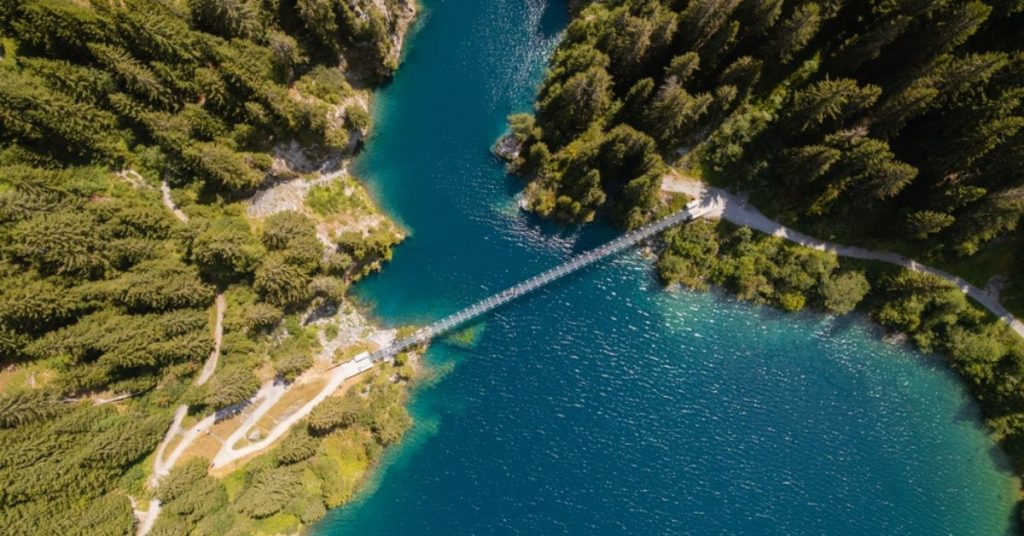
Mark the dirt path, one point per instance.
(218, 334)
(159, 467)
(145, 518)
(165, 196)
(229, 454)
(727, 206)
(162, 465)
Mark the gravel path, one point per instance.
(165, 196)
(148, 518)
(218, 334)
(724, 205)
(272, 392)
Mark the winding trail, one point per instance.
(159, 466)
(218, 334)
(228, 454)
(165, 196)
(162, 465)
(146, 518)
(727, 206)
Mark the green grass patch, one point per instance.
(332, 199)
(1012, 297)
(342, 465)
(349, 352)
(279, 523)
(311, 483)
(406, 331)
(8, 48)
(997, 257)
(234, 484)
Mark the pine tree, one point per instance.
(793, 34)
(743, 74)
(703, 20)
(230, 18)
(583, 99)
(26, 407)
(804, 165)
(320, 20)
(827, 102)
(866, 46)
(281, 283)
(673, 114)
(136, 77)
(923, 223)
(633, 38)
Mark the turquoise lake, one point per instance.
(603, 404)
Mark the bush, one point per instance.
(841, 294)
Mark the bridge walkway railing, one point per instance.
(497, 300)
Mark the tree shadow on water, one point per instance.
(554, 18)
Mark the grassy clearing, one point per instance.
(338, 197)
(24, 376)
(205, 446)
(351, 351)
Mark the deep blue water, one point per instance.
(604, 404)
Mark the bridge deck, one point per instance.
(497, 300)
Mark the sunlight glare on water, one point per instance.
(603, 404)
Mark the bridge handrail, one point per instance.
(497, 300)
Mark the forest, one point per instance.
(318, 466)
(905, 113)
(890, 124)
(104, 293)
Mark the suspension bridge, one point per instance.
(688, 214)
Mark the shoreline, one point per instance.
(730, 207)
(351, 328)
(296, 171)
